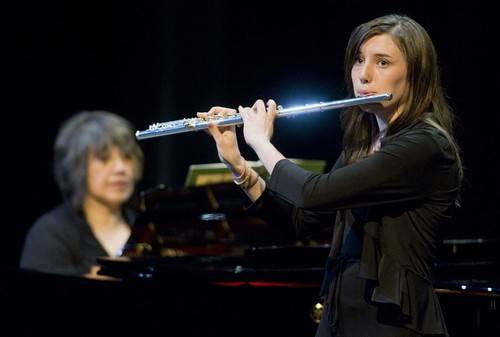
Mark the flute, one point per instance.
(196, 123)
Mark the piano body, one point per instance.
(233, 252)
(200, 265)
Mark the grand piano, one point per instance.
(202, 235)
(199, 264)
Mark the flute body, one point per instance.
(196, 124)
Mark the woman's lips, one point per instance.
(365, 93)
(119, 184)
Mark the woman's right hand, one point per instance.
(225, 139)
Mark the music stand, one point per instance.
(217, 173)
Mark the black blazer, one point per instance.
(409, 187)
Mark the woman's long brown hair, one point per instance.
(425, 99)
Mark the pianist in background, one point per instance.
(97, 163)
(395, 183)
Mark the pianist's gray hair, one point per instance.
(86, 132)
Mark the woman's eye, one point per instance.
(101, 155)
(383, 63)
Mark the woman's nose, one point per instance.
(119, 163)
(365, 73)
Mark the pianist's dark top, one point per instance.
(394, 201)
(61, 242)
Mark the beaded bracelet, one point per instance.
(243, 183)
(238, 178)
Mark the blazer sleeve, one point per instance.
(406, 168)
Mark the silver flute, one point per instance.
(196, 123)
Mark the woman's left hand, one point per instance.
(258, 122)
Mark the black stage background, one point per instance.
(160, 61)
